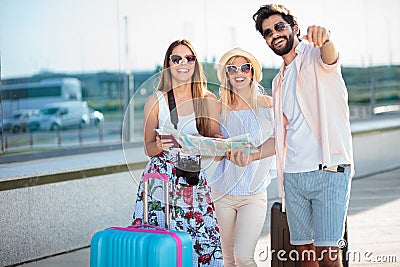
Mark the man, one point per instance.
(313, 136)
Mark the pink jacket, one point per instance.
(322, 96)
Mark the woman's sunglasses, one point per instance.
(176, 59)
(280, 26)
(244, 68)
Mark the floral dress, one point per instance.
(191, 209)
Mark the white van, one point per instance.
(68, 114)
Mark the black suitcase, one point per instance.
(345, 257)
(280, 241)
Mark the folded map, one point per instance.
(208, 146)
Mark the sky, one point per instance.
(122, 35)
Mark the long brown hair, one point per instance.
(198, 87)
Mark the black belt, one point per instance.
(335, 168)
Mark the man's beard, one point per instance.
(286, 49)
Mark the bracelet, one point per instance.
(327, 40)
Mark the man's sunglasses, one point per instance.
(176, 59)
(244, 68)
(280, 26)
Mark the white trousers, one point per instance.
(240, 219)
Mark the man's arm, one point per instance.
(320, 36)
(242, 159)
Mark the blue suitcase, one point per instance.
(142, 245)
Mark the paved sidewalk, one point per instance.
(373, 222)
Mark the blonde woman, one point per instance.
(240, 180)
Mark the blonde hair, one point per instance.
(228, 97)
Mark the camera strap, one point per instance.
(188, 173)
(172, 109)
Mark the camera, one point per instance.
(189, 169)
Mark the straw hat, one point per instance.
(239, 52)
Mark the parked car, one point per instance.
(61, 115)
(96, 117)
(5, 124)
(19, 121)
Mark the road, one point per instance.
(108, 133)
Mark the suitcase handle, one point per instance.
(146, 178)
(149, 226)
(133, 227)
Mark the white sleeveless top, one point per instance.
(186, 124)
